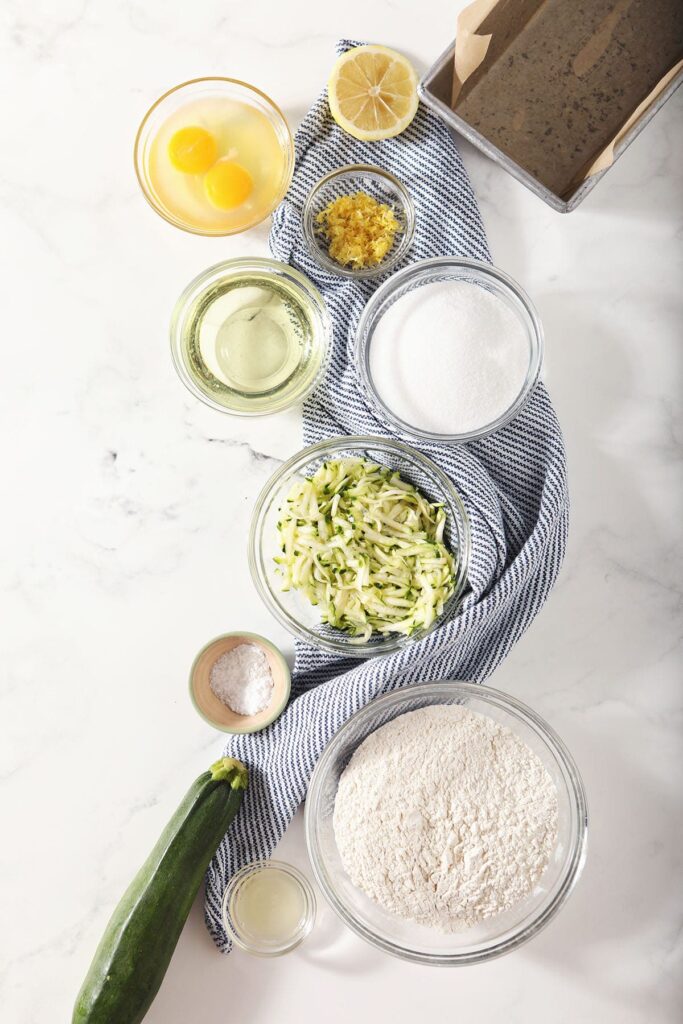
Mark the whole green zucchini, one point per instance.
(139, 940)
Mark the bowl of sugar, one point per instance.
(239, 682)
(448, 350)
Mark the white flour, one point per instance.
(445, 817)
(449, 357)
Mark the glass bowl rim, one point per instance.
(137, 162)
(418, 269)
(277, 268)
(394, 642)
(309, 895)
(405, 242)
(575, 785)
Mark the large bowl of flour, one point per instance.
(446, 823)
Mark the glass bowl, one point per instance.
(489, 938)
(447, 268)
(380, 185)
(198, 89)
(254, 402)
(291, 608)
(245, 933)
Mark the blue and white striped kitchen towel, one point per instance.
(514, 486)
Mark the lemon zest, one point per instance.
(359, 230)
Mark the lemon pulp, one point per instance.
(372, 92)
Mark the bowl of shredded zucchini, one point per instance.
(360, 546)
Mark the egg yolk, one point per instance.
(192, 150)
(227, 185)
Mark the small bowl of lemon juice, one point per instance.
(268, 908)
(250, 336)
(214, 156)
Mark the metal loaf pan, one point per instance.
(435, 90)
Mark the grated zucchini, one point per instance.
(366, 548)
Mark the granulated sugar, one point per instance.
(449, 357)
(445, 817)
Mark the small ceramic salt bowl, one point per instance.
(213, 710)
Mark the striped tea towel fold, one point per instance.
(513, 484)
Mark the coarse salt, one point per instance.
(449, 357)
(241, 679)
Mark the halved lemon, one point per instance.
(372, 92)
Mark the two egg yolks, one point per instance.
(193, 150)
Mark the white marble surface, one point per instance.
(125, 504)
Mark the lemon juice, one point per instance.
(218, 164)
(270, 905)
(268, 908)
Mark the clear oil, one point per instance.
(248, 341)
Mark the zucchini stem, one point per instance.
(229, 769)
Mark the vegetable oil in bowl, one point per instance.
(247, 337)
(250, 337)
